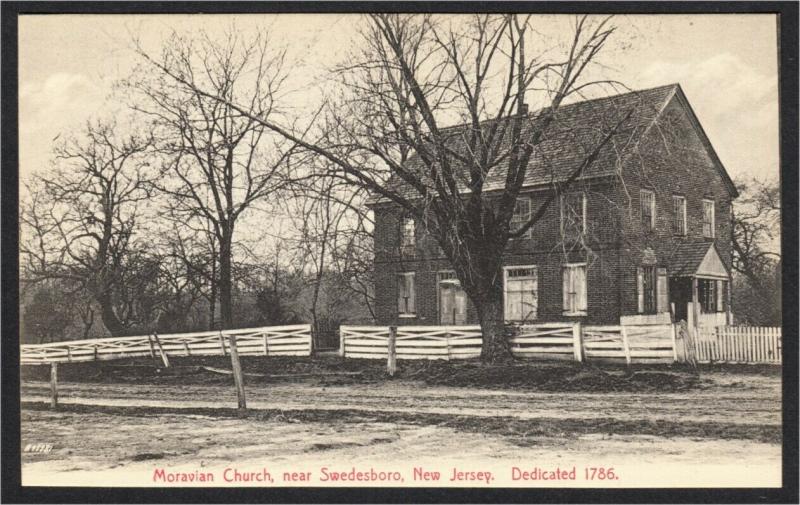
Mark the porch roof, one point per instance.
(696, 258)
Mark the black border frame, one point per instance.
(12, 492)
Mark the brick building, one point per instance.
(643, 231)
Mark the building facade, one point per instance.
(644, 235)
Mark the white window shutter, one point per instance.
(460, 306)
(661, 290)
(640, 288)
(580, 287)
(411, 290)
(720, 296)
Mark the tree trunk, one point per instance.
(495, 348)
(225, 282)
(109, 317)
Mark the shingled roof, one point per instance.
(686, 259)
(575, 132)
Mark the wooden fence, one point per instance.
(650, 343)
(413, 342)
(738, 344)
(292, 340)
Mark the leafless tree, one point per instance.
(218, 161)
(415, 73)
(81, 221)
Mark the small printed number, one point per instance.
(600, 473)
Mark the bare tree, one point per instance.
(81, 223)
(417, 73)
(217, 163)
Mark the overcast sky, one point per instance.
(726, 64)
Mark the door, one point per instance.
(452, 302)
(680, 294)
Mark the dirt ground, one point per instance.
(112, 427)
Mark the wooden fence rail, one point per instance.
(739, 344)
(645, 343)
(294, 340)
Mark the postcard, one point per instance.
(439, 250)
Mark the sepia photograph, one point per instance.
(400, 250)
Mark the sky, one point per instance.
(725, 63)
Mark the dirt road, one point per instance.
(121, 433)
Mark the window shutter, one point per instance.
(661, 289)
(565, 288)
(640, 288)
(580, 287)
(460, 306)
(411, 293)
(401, 286)
(720, 296)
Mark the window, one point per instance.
(652, 289)
(574, 289)
(522, 214)
(678, 215)
(452, 300)
(708, 218)
(407, 236)
(712, 295)
(520, 293)
(406, 306)
(573, 213)
(648, 204)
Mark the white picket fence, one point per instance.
(650, 343)
(294, 340)
(738, 344)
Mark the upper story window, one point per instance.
(678, 215)
(407, 236)
(648, 205)
(708, 218)
(406, 295)
(522, 214)
(573, 213)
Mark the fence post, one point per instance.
(150, 341)
(53, 385)
(341, 343)
(69, 354)
(674, 343)
(391, 364)
(95, 352)
(238, 378)
(625, 347)
(577, 340)
(164, 356)
(222, 343)
(447, 342)
(186, 348)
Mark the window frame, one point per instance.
(439, 279)
(405, 314)
(408, 249)
(679, 230)
(713, 224)
(529, 231)
(583, 210)
(535, 277)
(564, 268)
(652, 194)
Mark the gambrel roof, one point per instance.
(575, 132)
